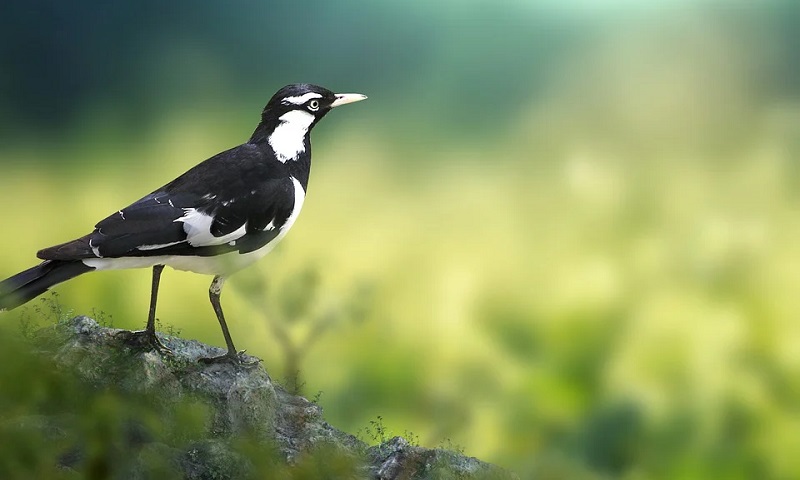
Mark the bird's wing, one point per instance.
(207, 211)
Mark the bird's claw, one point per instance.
(146, 340)
(236, 358)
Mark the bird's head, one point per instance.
(296, 108)
(309, 99)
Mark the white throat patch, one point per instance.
(287, 140)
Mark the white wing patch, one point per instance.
(95, 250)
(300, 99)
(288, 138)
(156, 247)
(197, 226)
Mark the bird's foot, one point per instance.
(236, 358)
(145, 340)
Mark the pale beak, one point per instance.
(345, 98)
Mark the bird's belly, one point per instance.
(224, 264)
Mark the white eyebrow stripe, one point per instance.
(301, 99)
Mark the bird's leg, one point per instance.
(147, 338)
(214, 292)
(150, 329)
(151, 316)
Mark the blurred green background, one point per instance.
(562, 236)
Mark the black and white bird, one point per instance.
(217, 218)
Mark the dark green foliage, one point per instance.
(55, 425)
(612, 439)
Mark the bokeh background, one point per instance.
(563, 236)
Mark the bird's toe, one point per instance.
(238, 359)
(144, 340)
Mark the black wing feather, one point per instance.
(235, 187)
(149, 221)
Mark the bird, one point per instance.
(217, 218)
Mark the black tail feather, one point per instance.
(25, 286)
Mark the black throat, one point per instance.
(300, 168)
(264, 129)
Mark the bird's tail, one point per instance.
(25, 286)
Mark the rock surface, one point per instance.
(242, 403)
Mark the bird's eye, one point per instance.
(313, 105)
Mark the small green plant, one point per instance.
(49, 307)
(46, 310)
(379, 430)
(379, 434)
(412, 438)
(375, 431)
(169, 330)
(448, 444)
(102, 318)
(27, 326)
